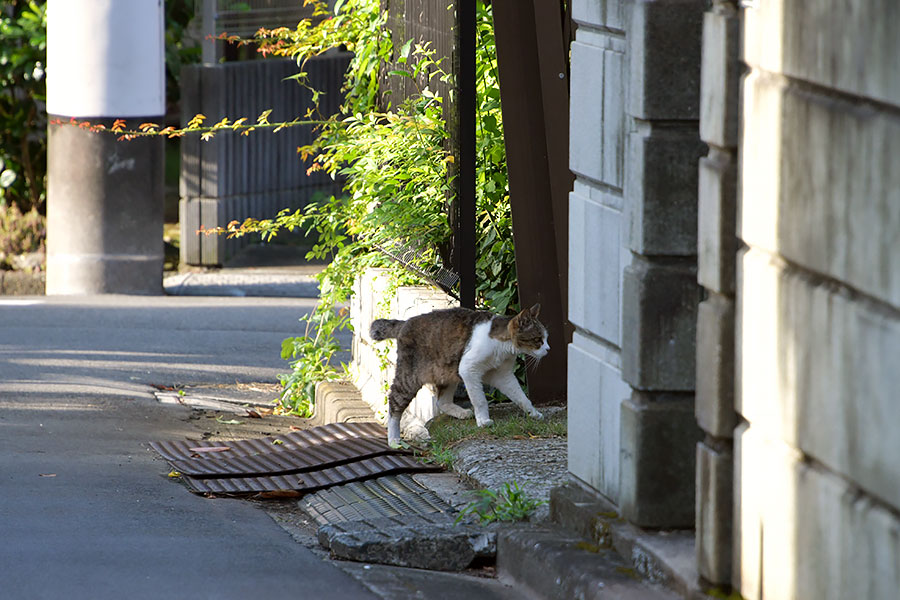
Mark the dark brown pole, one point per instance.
(534, 95)
(466, 186)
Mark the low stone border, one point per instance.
(20, 283)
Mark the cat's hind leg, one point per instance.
(448, 407)
(402, 392)
(504, 380)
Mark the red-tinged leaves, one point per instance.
(118, 125)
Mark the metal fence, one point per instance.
(232, 176)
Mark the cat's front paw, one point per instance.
(536, 414)
(484, 422)
(396, 444)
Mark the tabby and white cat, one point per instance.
(445, 346)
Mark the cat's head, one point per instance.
(528, 334)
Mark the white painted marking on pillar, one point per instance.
(117, 164)
(105, 58)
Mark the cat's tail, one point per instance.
(383, 329)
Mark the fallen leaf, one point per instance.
(279, 494)
(46, 474)
(210, 449)
(164, 388)
(174, 474)
(295, 428)
(277, 442)
(253, 414)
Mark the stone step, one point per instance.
(553, 563)
(664, 558)
(419, 541)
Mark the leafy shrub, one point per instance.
(23, 92)
(397, 182)
(20, 233)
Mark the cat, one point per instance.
(444, 347)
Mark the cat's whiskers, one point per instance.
(532, 361)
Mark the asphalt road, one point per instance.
(86, 510)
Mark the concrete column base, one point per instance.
(656, 475)
(104, 211)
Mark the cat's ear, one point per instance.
(534, 311)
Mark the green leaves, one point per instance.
(509, 503)
(397, 185)
(23, 122)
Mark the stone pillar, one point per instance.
(659, 292)
(105, 197)
(717, 245)
(818, 302)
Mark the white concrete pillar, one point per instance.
(105, 61)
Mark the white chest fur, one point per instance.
(484, 353)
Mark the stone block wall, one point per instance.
(598, 241)
(660, 291)
(633, 290)
(373, 299)
(716, 247)
(818, 303)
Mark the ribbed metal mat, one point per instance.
(275, 462)
(298, 461)
(366, 468)
(293, 440)
(384, 497)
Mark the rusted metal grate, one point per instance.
(294, 440)
(298, 461)
(283, 462)
(313, 480)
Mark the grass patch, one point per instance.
(509, 424)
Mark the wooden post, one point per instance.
(534, 94)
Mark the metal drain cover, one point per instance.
(384, 497)
(311, 480)
(296, 462)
